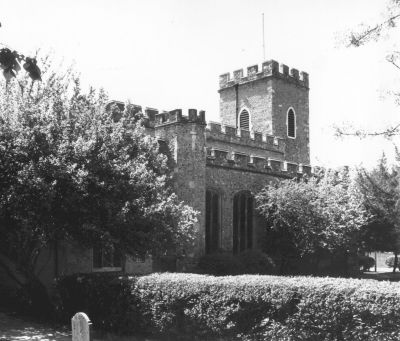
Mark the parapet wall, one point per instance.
(175, 116)
(254, 163)
(154, 117)
(268, 69)
(229, 134)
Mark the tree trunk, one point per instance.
(396, 261)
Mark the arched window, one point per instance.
(213, 221)
(291, 123)
(244, 120)
(243, 204)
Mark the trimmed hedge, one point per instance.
(251, 307)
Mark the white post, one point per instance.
(80, 327)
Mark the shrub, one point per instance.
(219, 263)
(366, 262)
(249, 307)
(105, 297)
(390, 262)
(256, 262)
(223, 263)
(270, 307)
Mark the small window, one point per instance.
(291, 123)
(106, 258)
(244, 120)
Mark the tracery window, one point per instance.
(243, 211)
(213, 221)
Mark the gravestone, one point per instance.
(80, 327)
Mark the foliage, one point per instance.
(256, 262)
(10, 64)
(364, 34)
(366, 262)
(105, 297)
(68, 171)
(380, 192)
(221, 263)
(390, 262)
(319, 214)
(224, 263)
(372, 32)
(250, 307)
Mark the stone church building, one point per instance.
(263, 135)
(218, 167)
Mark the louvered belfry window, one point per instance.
(244, 120)
(291, 123)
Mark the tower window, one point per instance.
(242, 222)
(291, 123)
(213, 221)
(244, 120)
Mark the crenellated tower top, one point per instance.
(270, 68)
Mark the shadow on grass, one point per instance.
(13, 328)
(16, 328)
(382, 275)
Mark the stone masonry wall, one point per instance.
(256, 98)
(187, 139)
(227, 183)
(286, 96)
(267, 95)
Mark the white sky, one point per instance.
(168, 54)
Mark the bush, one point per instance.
(223, 263)
(249, 307)
(268, 307)
(366, 262)
(390, 262)
(105, 297)
(219, 264)
(256, 262)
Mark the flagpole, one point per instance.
(263, 37)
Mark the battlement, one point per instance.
(175, 116)
(270, 68)
(254, 163)
(229, 134)
(154, 117)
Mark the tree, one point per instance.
(69, 171)
(367, 33)
(321, 214)
(381, 196)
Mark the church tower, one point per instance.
(273, 101)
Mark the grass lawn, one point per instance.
(15, 328)
(382, 274)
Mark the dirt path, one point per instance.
(15, 329)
